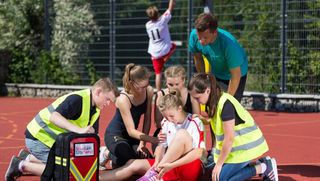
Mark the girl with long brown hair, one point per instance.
(122, 138)
(238, 139)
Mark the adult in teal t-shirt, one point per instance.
(227, 58)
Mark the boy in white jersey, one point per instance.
(160, 45)
(178, 156)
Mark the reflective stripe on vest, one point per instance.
(44, 126)
(239, 132)
(248, 142)
(245, 146)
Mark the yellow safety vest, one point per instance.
(46, 132)
(248, 144)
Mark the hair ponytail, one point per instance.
(126, 77)
(214, 97)
(134, 73)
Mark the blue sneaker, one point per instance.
(271, 173)
(263, 159)
(209, 162)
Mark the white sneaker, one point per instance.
(104, 162)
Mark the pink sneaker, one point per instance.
(151, 175)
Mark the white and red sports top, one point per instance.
(193, 126)
(159, 35)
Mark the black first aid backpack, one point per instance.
(73, 157)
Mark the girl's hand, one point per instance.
(143, 151)
(163, 168)
(162, 137)
(216, 172)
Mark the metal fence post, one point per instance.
(190, 14)
(112, 39)
(46, 26)
(283, 45)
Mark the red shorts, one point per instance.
(190, 171)
(159, 62)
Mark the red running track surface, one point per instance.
(293, 138)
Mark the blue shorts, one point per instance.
(38, 149)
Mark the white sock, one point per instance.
(263, 167)
(21, 166)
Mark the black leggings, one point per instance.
(121, 149)
(239, 93)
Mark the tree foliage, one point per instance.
(73, 28)
(22, 33)
(21, 24)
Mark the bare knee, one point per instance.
(183, 134)
(138, 166)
